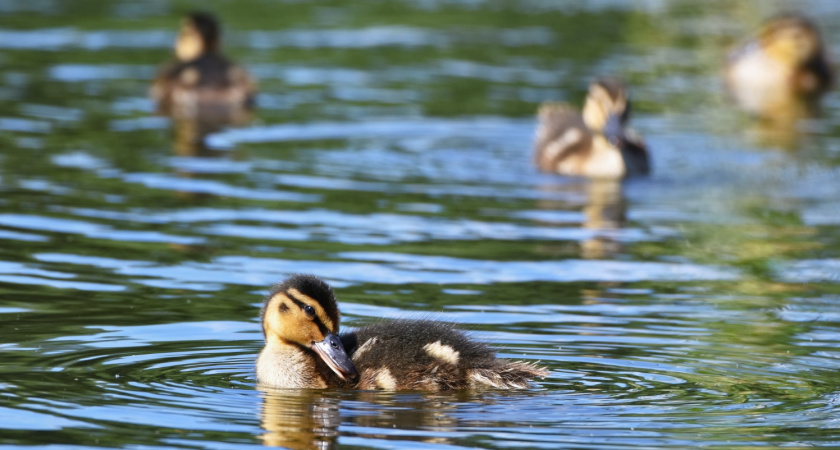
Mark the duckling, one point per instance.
(593, 144)
(202, 81)
(784, 64)
(303, 349)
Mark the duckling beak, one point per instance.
(332, 352)
(614, 130)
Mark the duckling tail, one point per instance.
(507, 375)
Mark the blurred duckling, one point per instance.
(784, 65)
(300, 322)
(594, 144)
(202, 82)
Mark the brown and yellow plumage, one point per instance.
(595, 143)
(780, 70)
(301, 314)
(202, 82)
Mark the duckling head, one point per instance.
(199, 34)
(607, 108)
(302, 311)
(791, 39)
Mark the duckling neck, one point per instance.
(285, 365)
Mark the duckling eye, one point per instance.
(310, 311)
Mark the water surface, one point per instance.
(391, 155)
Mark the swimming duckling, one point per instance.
(300, 321)
(595, 144)
(782, 66)
(202, 81)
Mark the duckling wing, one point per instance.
(563, 141)
(244, 85)
(161, 90)
(427, 355)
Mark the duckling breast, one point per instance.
(289, 367)
(757, 81)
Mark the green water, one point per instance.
(391, 155)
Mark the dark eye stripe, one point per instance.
(315, 318)
(300, 304)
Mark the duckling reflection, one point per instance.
(189, 139)
(429, 412)
(779, 74)
(594, 144)
(604, 210)
(202, 82)
(299, 419)
(300, 321)
(305, 418)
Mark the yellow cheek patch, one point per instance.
(272, 322)
(188, 46)
(319, 310)
(283, 321)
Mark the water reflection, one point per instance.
(430, 413)
(786, 128)
(189, 141)
(299, 418)
(305, 419)
(604, 212)
(188, 138)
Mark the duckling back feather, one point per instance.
(426, 355)
(208, 82)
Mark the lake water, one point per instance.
(391, 155)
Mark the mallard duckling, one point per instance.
(593, 144)
(202, 81)
(300, 321)
(784, 63)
